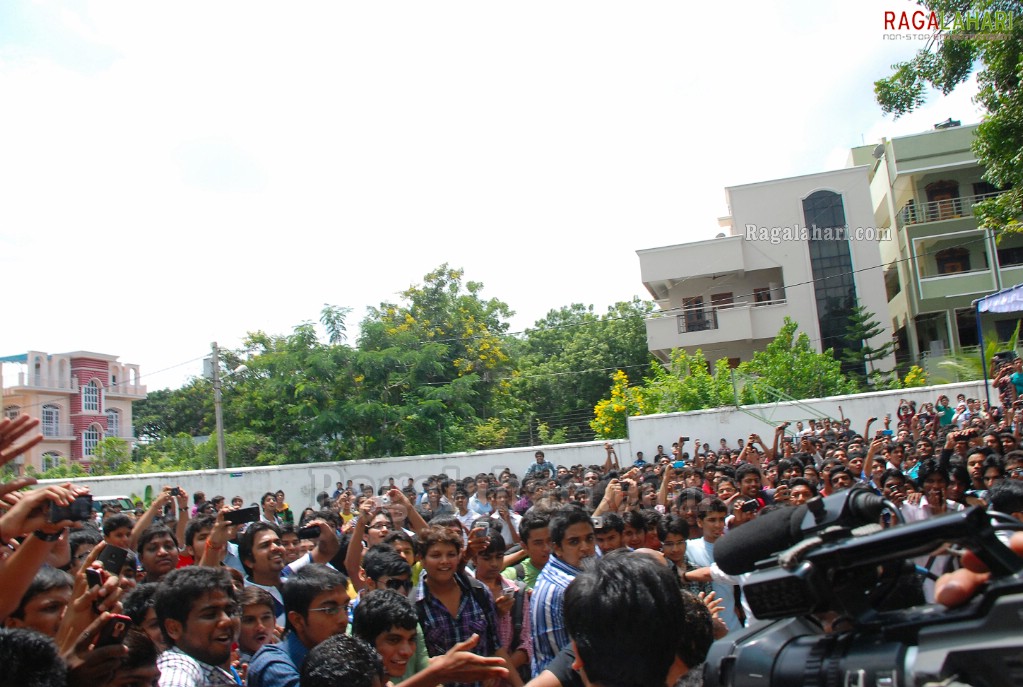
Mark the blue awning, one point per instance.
(1006, 300)
(20, 358)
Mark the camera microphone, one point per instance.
(740, 549)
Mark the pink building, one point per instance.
(81, 398)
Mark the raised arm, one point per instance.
(29, 517)
(183, 515)
(662, 493)
(353, 558)
(216, 544)
(414, 517)
(146, 519)
(611, 463)
(779, 432)
(866, 429)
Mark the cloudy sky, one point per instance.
(177, 173)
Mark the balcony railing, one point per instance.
(704, 319)
(937, 210)
(697, 320)
(36, 381)
(123, 389)
(57, 430)
(120, 433)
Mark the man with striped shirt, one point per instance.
(573, 539)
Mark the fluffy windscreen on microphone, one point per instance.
(739, 550)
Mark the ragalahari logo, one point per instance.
(990, 24)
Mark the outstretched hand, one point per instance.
(11, 431)
(460, 665)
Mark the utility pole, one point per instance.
(218, 409)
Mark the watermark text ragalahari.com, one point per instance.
(797, 232)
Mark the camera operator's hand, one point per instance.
(956, 588)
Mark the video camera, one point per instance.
(841, 606)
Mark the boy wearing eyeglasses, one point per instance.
(316, 605)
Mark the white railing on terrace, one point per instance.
(40, 382)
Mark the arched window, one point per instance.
(11, 412)
(90, 397)
(90, 440)
(51, 420)
(113, 422)
(51, 460)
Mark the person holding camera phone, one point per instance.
(168, 498)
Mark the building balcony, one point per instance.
(134, 391)
(662, 268)
(940, 210)
(126, 433)
(34, 382)
(697, 328)
(57, 431)
(959, 284)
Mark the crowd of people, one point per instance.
(599, 574)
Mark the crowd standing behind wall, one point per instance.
(303, 482)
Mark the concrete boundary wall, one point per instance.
(301, 483)
(710, 426)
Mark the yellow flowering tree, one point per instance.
(609, 415)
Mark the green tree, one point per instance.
(110, 456)
(167, 412)
(790, 364)
(567, 359)
(431, 368)
(292, 393)
(686, 383)
(858, 356)
(944, 65)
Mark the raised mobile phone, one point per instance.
(237, 517)
(93, 577)
(481, 522)
(112, 557)
(309, 532)
(114, 631)
(79, 510)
